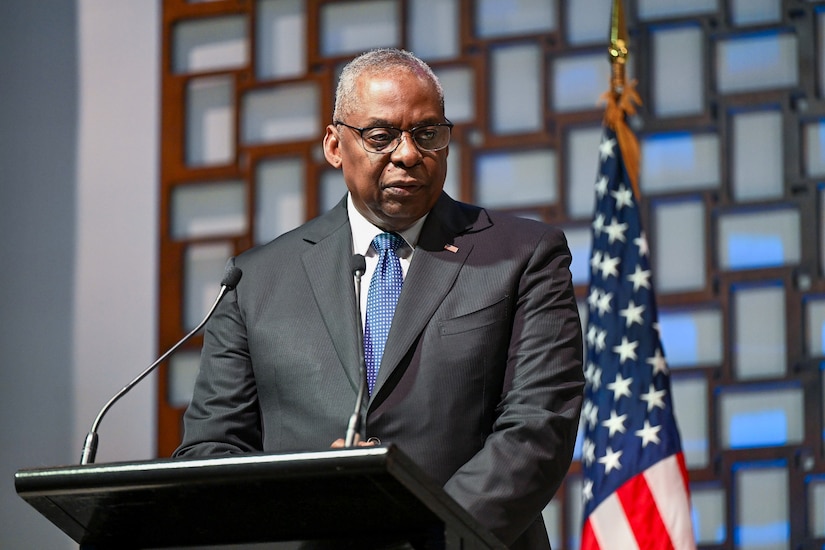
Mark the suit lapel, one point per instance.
(437, 261)
(327, 265)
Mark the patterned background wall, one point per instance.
(732, 133)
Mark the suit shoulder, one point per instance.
(290, 245)
(524, 227)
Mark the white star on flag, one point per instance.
(632, 313)
(626, 350)
(649, 434)
(620, 387)
(615, 423)
(611, 460)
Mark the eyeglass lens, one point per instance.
(427, 138)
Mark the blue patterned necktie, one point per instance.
(385, 287)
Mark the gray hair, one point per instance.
(375, 62)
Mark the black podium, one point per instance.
(362, 498)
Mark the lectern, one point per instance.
(359, 498)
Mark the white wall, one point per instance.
(79, 88)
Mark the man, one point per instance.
(480, 380)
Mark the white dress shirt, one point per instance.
(363, 232)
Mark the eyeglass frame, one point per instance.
(411, 131)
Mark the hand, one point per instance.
(371, 442)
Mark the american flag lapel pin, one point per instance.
(451, 248)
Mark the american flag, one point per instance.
(635, 488)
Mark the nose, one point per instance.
(407, 152)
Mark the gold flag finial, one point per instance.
(622, 98)
(618, 49)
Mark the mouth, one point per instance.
(401, 187)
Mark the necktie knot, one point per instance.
(387, 241)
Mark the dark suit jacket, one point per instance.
(481, 379)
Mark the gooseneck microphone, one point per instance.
(359, 267)
(229, 282)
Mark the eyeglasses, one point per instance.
(383, 140)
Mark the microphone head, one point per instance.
(232, 277)
(358, 264)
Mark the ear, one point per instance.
(332, 146)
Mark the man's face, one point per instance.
(391, 190)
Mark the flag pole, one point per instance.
(618, 49)
(622, 98)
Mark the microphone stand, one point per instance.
(359, 266)
(228, 283)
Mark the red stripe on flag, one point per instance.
(643, 515)
(589, 541)
(680, 458)
(668, 483)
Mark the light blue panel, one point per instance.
(459, 93)
(579, 239)
(690, 396)
(767, 238)
(822, 388)
(757, 62)
(692, 338)
(511, 17)
(762, 511)
(289, 112)
(183, 370)
(452, 183)
(508, 180)
(679, 338)
(211, 44)
(678, 70)
(579, 81)
(280, 40)
(679, 161)
(759, 348)
(577, 446)
(582, 28)
(433, 27)
(816, 505)
(355, 27)
(210, 121)
(678, 257)
(581, 163)
(756, 12)
(766, 417)
(552, 517)
(757, 155)
(814, 148)
(815, 326)
(332, 189)
(280, 197)
(516, 105)
(208, 209)
(758, 429)
(662, 9)
(203, 269)
(584, 310)
(708, 511)
(755, 251)
(775, 535)
(573, 503)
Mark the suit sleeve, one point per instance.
(525, 458)
(223, 417)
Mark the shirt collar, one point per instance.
(363, 232)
